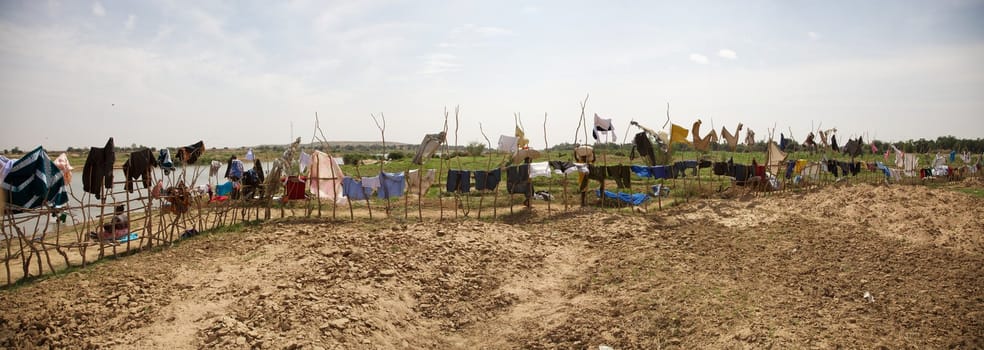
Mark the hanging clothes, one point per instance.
(750, 138)
(164, 160)
(627, 198)
(420, 184)
(62, 163)
(540, 169)
(603, 126)
(518, 180)
(189, 154)
(324, 176)
(584, 154)
(303, 162)
(521, 140)
(353, 189)
(782, 142)
(776, 158)
(487, 180)
(370, 182)
(213, 168)
(833, 143)
(235, 170)
(249, 155)
(508, 143)
(428, 146)
(642, 143)
(622, 175)
(5, 165)
(732, 140)
(391, 185)
(224, 189)
(458, 181)
(98, 170)
(139, 166)
(678, 134)
(35, 180)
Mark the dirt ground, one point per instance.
(780, 271)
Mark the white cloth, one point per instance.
(5, 165)
(539, 169)
(305, 161)
(603, 126)
(339, 160)
(508, 143)
(371, 182)
(249, 154)
(213, 168)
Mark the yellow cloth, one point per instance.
(679, 134)
(522, 141)
(800, 164)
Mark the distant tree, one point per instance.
(15, 150)
(475, 149)
(353, 158)
(397, 155)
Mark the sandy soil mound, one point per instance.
(851, 266)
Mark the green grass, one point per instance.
(976, 192)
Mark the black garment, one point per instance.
(832, 167)
(518, 180)
(742, 172)
(258, 166)
(790, 167)
(853, 147)
(189, 154)
(855, 168)
(845, 168)
(139, 166)
(680, 168)
(596, 173)
(487, 180)
(98, 170)
(783, 141)
(833, 143)
(229, 167)
(703, 163)
(645, 147)
(560, 165)
(720, 168)
(459, 181)
(622, 175)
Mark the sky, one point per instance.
(165, 73)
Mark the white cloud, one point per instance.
(98, 9)
(529, 10)
(814, 35)
(729, 54)
(440, 63)
(486, 31)
(131, 21)
(698, 58)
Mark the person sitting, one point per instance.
(119, 226)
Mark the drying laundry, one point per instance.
(34, 180)
(139, 166)
(487, 180)
(98, 170)
(428, 146)
(458, 181)
(603, 126)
